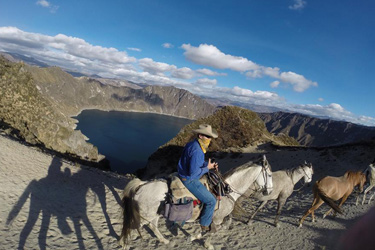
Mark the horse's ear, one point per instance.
(305, 162)
(373, 161)
(264, 158)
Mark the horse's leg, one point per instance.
(153, 225)
(227, 222)
(313, 216)
(318, 202)
(207, 243)
(344, 198)
(280, 205)
(365, 192)
(356, 201)
(256, 211)
(327, 213)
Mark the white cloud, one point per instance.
(274, 84)
(258, 95)
(299, 82)
(205, 82)
(159, 68)
(271, 72)
(320, 99)
(209, 72)
(46, 4)
(209, 55)
(298, 5)
(43, 3)
(155, 68)
(369, 121)
(167, 45)
(135, 49)
(333, 110)
(183, 73)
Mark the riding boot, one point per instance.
(209, 229)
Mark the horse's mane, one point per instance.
(290, 171)
(350, 174)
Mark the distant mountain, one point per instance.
(118, 82)
(220, 102)
(311, 131)
(14, 57)
(73, 95)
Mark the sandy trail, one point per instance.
(50, 203)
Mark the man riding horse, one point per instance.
(192, 166)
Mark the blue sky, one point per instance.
(313, 57)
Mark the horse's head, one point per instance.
(357, 178)
(372, 165)
(264, 179)
(307, 171)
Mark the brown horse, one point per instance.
(330, 189)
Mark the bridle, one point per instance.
(266, 175)
(305, 174)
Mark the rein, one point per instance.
(259, 189)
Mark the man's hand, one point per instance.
(212, 164)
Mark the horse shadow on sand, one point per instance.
(62, 195)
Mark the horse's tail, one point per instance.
(131, 216)
(327, 199)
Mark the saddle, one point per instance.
(179, 190)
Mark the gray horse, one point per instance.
(283, 185)
(371, 177)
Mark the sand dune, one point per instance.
(50, 203)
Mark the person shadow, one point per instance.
(62, 195)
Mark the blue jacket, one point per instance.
(191, 164)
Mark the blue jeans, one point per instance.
(202, 194)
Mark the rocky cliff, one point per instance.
(237, 127)
(310, 131)
(26, 113)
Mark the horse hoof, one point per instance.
(210, 247)
(277, 225)
(166, 242)
(250, 222)
(300, 225)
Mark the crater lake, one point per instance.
(127, 139)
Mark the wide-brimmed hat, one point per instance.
(206, 129)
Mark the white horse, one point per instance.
(143, 200)
(283, 185)
(371, 178)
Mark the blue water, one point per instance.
(127, 139)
